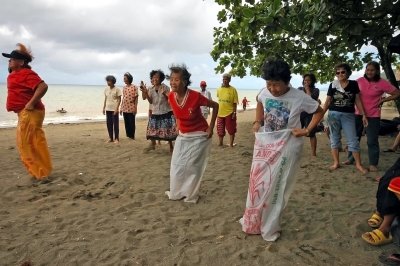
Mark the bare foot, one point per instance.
(229, 145)
(150, 148)
(116, 141)
(334, 167)
(109, 141)
(373, 168)
(362, 169)
(347, 162)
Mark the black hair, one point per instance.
(158, 71)
(346, 67)
(111, 78)
(277, 70)
(377, 67)
(183, 71)
(312, 77)
(129, 77)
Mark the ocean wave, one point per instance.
(65, 119)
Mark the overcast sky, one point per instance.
(82, 41)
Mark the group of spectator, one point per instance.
(180, 114)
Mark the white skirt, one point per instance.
(188, 163)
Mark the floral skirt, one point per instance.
(162, 127)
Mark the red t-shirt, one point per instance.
(188, 113)
(21, 86)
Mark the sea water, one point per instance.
(84, 103)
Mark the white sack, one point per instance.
(188, 163)
(272, 176)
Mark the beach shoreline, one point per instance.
(104, 204)
(87, 105)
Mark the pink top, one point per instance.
(129, 99)
(371, 93)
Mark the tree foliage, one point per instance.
(311, 35)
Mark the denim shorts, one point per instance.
(346, 121)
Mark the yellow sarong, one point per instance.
(32, 144)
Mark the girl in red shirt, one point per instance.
(192, 146)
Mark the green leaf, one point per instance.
(247, 12)
(311, 35)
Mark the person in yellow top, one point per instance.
(227, 100)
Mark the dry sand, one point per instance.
(104, 204)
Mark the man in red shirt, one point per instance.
(25, 90)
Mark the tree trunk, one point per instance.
(386, 63)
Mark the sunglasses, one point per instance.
(340, 72)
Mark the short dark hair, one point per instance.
(377, 67)
(129, 77)
(158, 71)
(346, 67)
(312, 77)
(183, 71)
(276, 69)
(111, 78)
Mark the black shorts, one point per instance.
(305, 120)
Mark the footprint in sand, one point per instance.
(151, 197)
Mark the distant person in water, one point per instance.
(25, 91)
(61, 111)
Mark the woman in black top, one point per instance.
(342, 95)
(309, 88)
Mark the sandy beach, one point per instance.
(104, 204)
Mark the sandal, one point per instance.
(375, 221)
(376, 238)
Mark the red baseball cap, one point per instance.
(203, 83)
